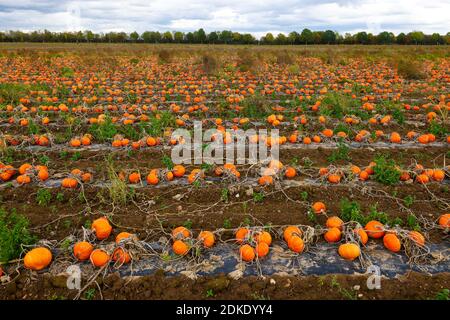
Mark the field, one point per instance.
(362, 179)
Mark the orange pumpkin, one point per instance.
(363, 237)
(392, 242)
(181, 233)
(99, 258)
(349, 251)
(417, 237)
(82, 250)
(102, 228)
(319, 207)
(334, 222)
(121, 256)
(262, 249)
(247, 253)
(444, 220)
(374, 229)
(291, 231)
(296, 244)
(241, 234)
(333, 235)
(264, 236)
(207, 238)
(180, 247)
(37, 259)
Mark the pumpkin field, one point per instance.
(93, 205)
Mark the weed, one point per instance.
(444, 294)
(43, 197)
(90, 294)
(385, 171)
(209, 293)
(227, 224)
(341, 153)
(13, 234)
(258, 196)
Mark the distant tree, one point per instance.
(281, 39)
(386, 38)
(178, 36)
(134, 36)
(401, 38)
(436, 38)
(247, 38)
(307, 36)
(362, 37)
(226, 36)
(200, 36)
(167, 37)
(190, 37)
(329, 37)
(268, 38)
(236, 37)
(416, 37)
(293, 37)
(213, 37)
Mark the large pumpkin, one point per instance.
(37, 259)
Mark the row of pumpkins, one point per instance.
(252, 244)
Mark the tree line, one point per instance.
(306, 36)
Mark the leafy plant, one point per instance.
(13, 234)
(444, 294)
(258, 196)
(43, 197)
(341, 153)
(386, 171)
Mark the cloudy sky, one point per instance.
(253, 16)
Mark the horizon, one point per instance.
(253, 17)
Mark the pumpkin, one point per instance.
(152, 179)
(333, 235)
(24, 168)
(417, 237)
(241, 234)
(334, 222)
(438, 175)
(265, 180)
(180, 233)
(265, 237)
(180, 247)
(102, 228)
(43, 175)
(392, 242)
(99, 258)
(124, 235)
(37, 259)
(444, 220)
(349, 251)
(334, 178)
(363, 237)
(134, 178)
(319, 207)
(262, 249)
(70, 183)
(23, 179)
(247, 253)
(296, 244)
(374, 229)
(291, 231)
(207, 237)
(121, 256)
(290, 173)
(82, 250)
(178, 171)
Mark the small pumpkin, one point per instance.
(334, 222)
(263, 236)
(349, 251)
(417, 237)
(102, 228)
(319, 207)
(363, 237)
(262, 249)
(121, 256)
(180, 233)
(124, 235)
(208, 238)
(37, 259)
(180, 247)
(333, 235)
(82, 250)
(241, 234)
(291, 231)
(444, 220)
(392, 242)
(374, 229)
(247, 253)
(296, 244)
(99, 258)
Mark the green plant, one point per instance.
(444, 294)
(304, 195)
(341, 153)
(209, 293)
(409, 200)
(412, 222)
(225, 194)
(351, 211)
(167, 162)
(187, 224)
(13, 234)
(76, 156)
(227, 224)
(103, 131)
(44, 160)
(437, 129)
(90, 294)
(60, 196)
(258, 196)
(385, 171)
(43, 197)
